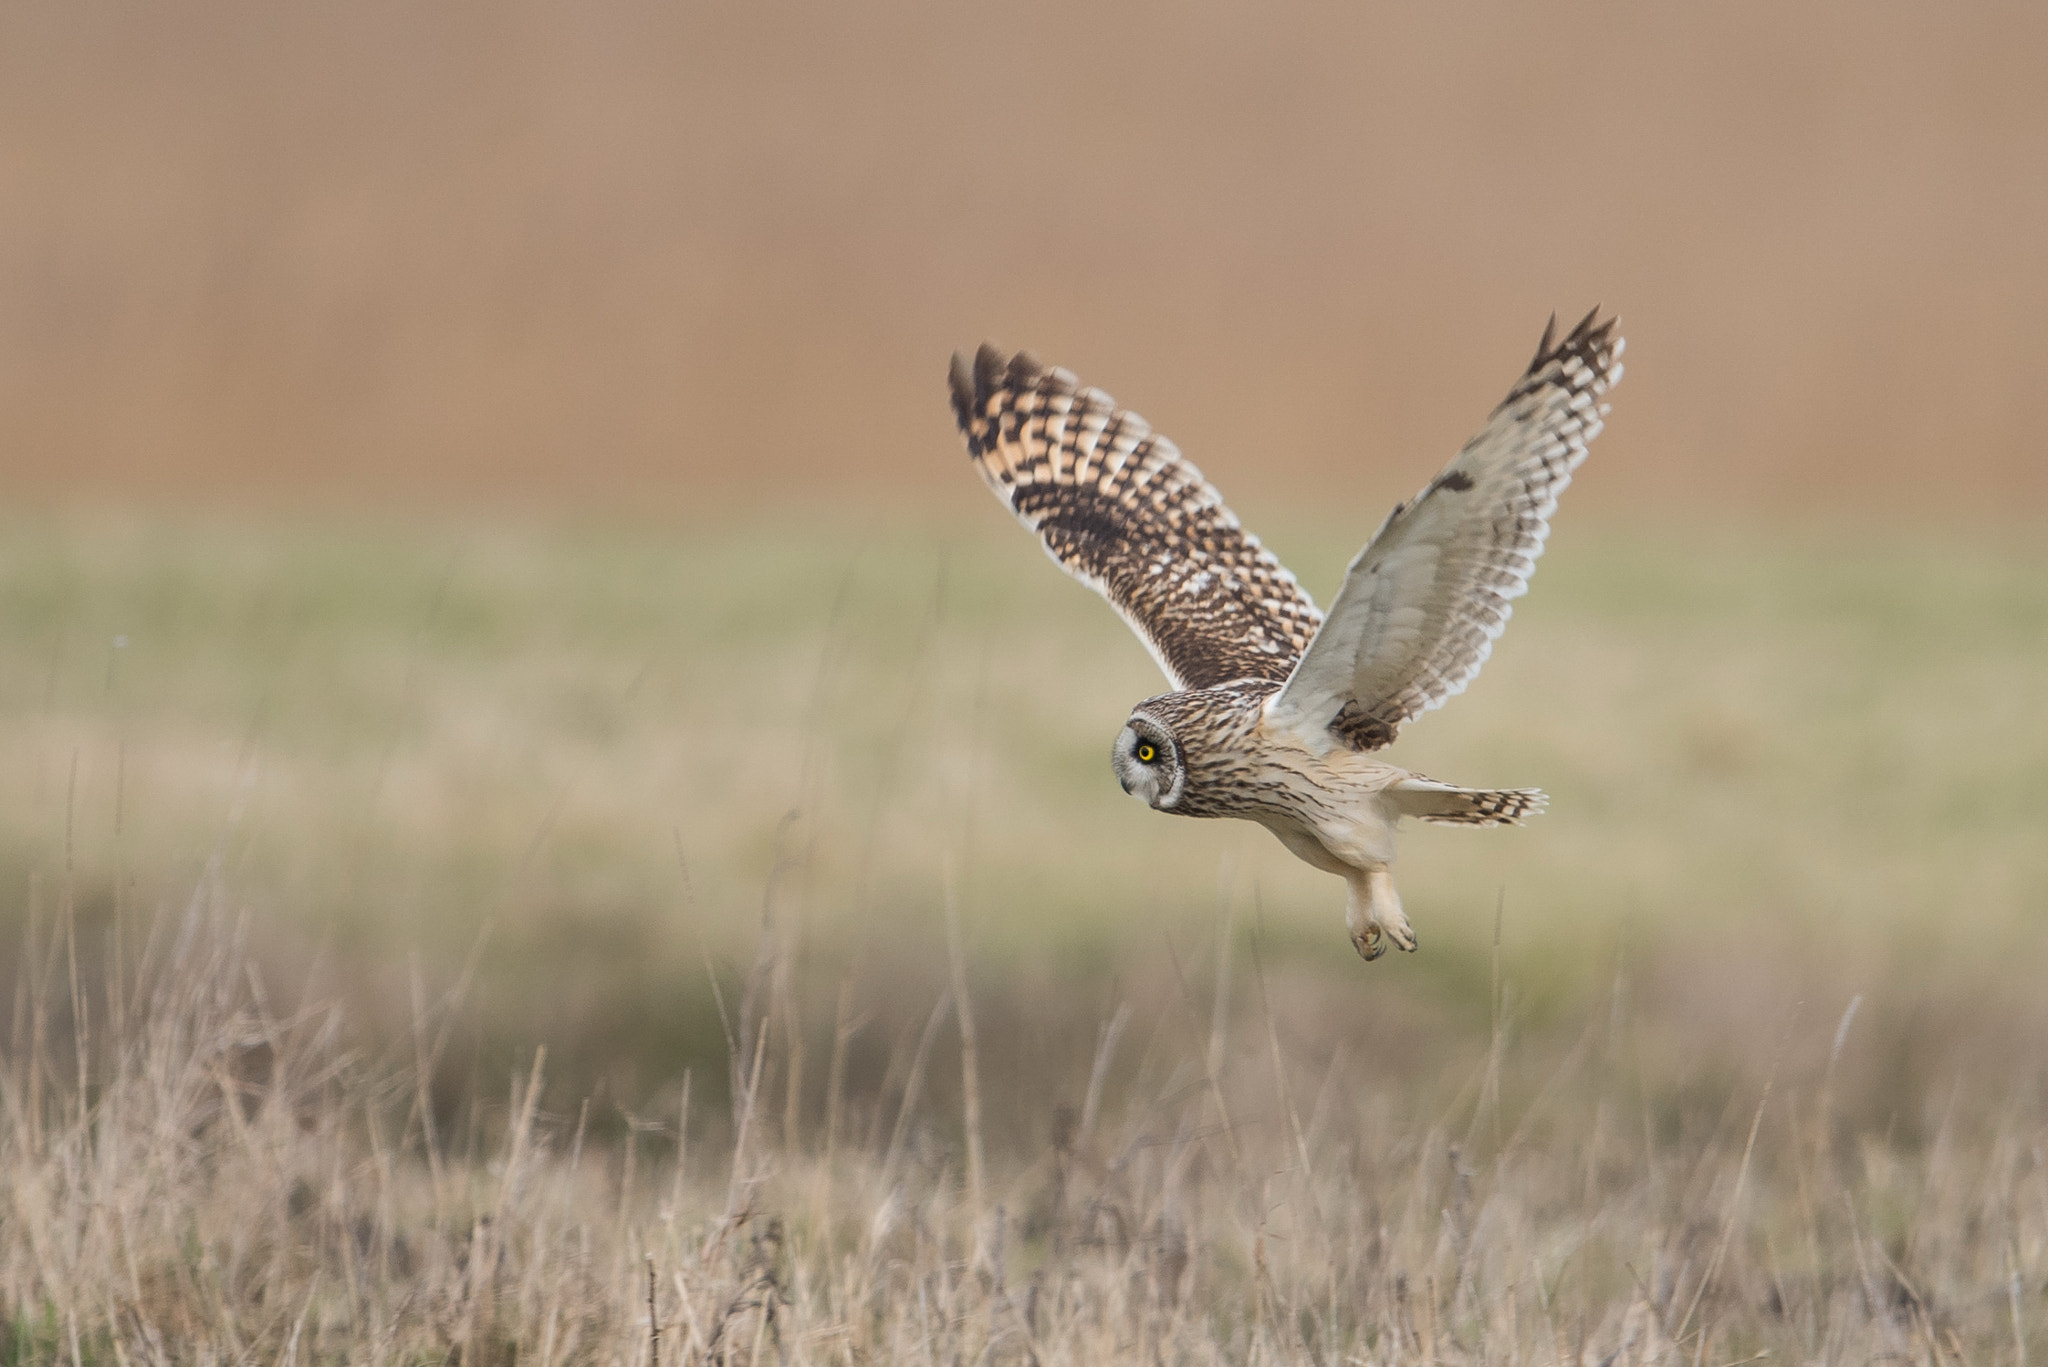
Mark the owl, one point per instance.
(1280, 713)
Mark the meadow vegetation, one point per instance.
(728, 945)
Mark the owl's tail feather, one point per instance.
(1428, 800)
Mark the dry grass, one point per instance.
(207, 1178)
(364, 1011)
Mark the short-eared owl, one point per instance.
(1277, 710)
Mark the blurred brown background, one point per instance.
(679, 254)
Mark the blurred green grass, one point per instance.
(1787, 765)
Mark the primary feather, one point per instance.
(1120, 509)
(1421, 605)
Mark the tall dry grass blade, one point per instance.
(682, 1164)
(742, 1180)
(970, 1064)
(1219, 1012)
(423, 1099)
(38, 1013)
(449, 1007)
(1824, 1103)
(291, 1347)
(1734, 1208)
(1284, 1092)
(1098, 1074)
(653, 1320)
(792, 1041)
(1326, 1089)
(1486, 1106)
(117, 935)
(912, 1086)
(753, 1017)
(521, 1133)
(1497, 1022)
(24, 979)
(81, 1028)
(843, 1029)
(2013, 1296)
(732, 1043)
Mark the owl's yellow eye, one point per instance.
(1146, 752)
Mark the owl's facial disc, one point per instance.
(1146, 763)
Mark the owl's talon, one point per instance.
(1369, 945)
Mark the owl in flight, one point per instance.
(1279, 712)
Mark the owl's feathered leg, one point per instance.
(1373, 913)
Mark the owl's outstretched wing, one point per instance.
(1423, 602)
(1116, 505)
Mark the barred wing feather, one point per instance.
(1421, 605)
(1119, 508)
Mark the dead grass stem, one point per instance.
(222, 1180)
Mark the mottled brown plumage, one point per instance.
(1277, 711)
(1119, 508)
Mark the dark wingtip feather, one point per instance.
(973, 382)
(976, 385)
(1592, 342)
(1585, 340)
(1023, 372)
(1543, 347)
(988, 370)
(961, 378)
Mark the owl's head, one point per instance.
(1148, 761)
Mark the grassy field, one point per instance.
(424, 937)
